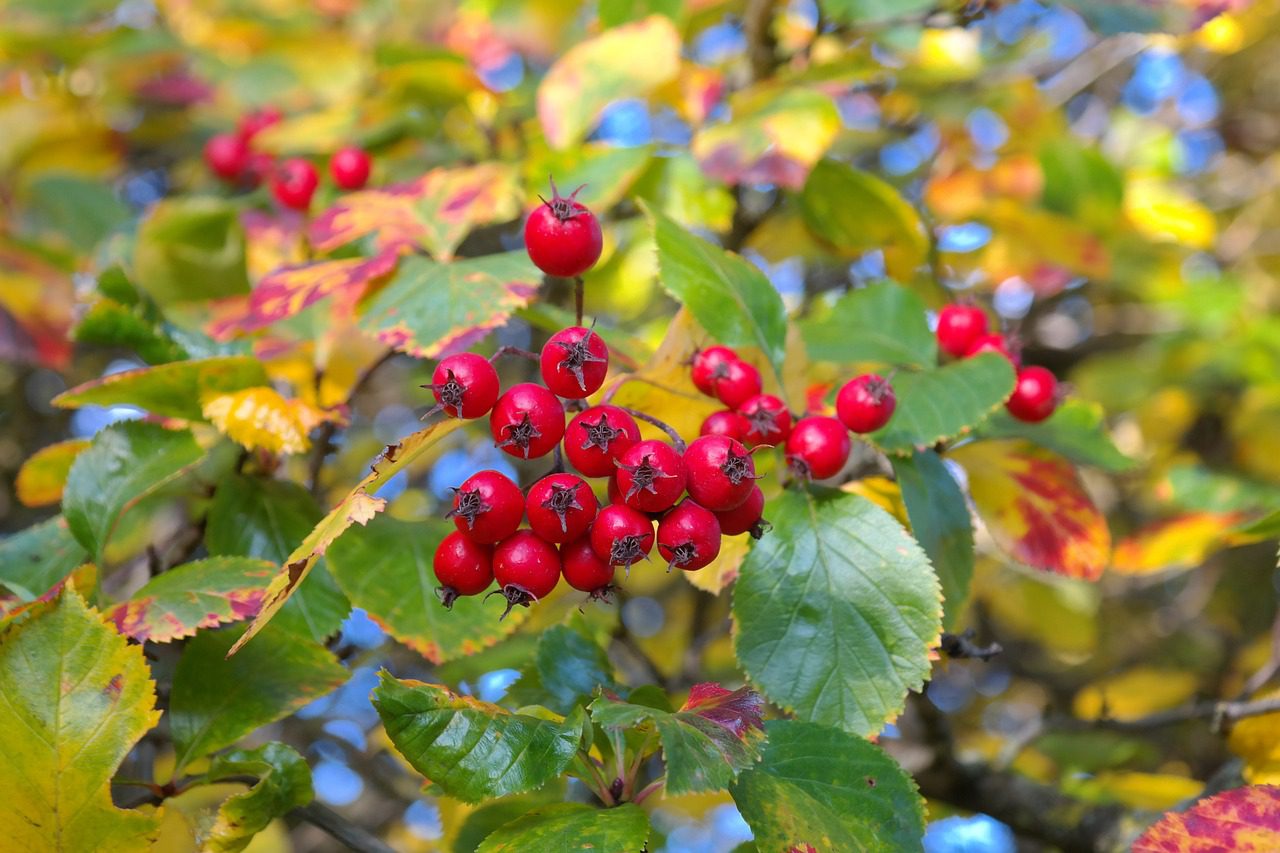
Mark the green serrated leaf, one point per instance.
(570, 827)
(174, 390)
(1076, 430)
(108, 323)
(200, 594)
(835, 611)
(940, 522)
(882, 323)
(482, 821)
(473, 750)
(934, 405)
(284, 783)
(37, 558)
(566, 668)
(822, 789)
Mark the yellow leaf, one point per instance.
(259, 418)
(1257, 741)
(1182, 542)
(1134, 694)
(723, 569)
(949, 54)
(41, 478)
(1163, 212)
(1147, 791)
(882, 492)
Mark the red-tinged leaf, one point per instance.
(271, 241)
(82, 578)
(1242, 820)
(1181, 542)
(42, 476)
(36, 299)
(1035, 507)
(203, 594)
(775, 137)
(737, 710)
(176, 390)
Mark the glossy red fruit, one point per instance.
(527, 421)
(958, 327)
(688, 537)
(462, 567)
(650, 476)
(719, 472)
(710, 365)
(598, 436)
(560, 507)
(257, 121)
(866, 403)
(1035, 395)
(818, 447)
(768, 421)
(725, 422)
(294, 183)
(584, 570)
(350, 167)
(621, 535)
(465, 385)
(741, 382)
(526, 567)
(562, 237)
(745, 518)
(227, 156)
(993, 343)
(487, 507)
(574, 362)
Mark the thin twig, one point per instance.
(676, 440)
(579, 295)
(960, 646)
(355, 837)
(323, 444)
(510, 350)
(1220, 714)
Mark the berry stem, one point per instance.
(579, 294)
(644, 792)
(510, 350)
(676, 440)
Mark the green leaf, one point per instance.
(822, 789)
(386, 569)
(1195, 487)
(882, 323)
(1109, 17)
(940, 522)
(566, 668)
(1080, 181)
(483, 820)
(127, 462)
(176, 390)
(873, 11)
(706, 743)
(110, 324)
(429, 308)
(256, 517)
(190, 249)
(615, 12)
(284, 783)
(726, 294)
(569, 827)
(217, 700)
(202, 594)
(944, 403)
(835, 611)
(1076, 430)
(79, 210)
(473, 750)
(1267, 527)
(35, 559)
(77, 697)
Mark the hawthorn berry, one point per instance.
(719, 472)
(621, 535)
(598, 436)
(487, 507)
(741, 382)
(527, 568)
(259, 168)
(993, 343)
(560, 507)
(574, 362)
(227, 156)
(768, 421)
(688, 536)
(1035, 395)
(527, 421)
(725, 422)
(958, 327)
(562, 237)
(818, 447)
(745, 518)
(710, 365)
(462, 566)
(294, 183)
(350, 167)
(465, 385)
(584, 570)
(650, 476)
(866, 403)
(257, 121)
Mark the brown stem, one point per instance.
(579, 295)
(644, 792)
(676, 440)
(510, 350)
(1220, 715)
(355, 837)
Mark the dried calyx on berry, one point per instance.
(574, 362)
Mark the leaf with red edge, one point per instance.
(203, 594)
(1035, 507)
(1180, 542)
(1242, 820)
(271, 241)
(36, 299)
(42, 476)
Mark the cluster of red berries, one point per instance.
(963, 332)
(233, 158)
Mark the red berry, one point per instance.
(260, 166)
(227, 156)
(584, 570)
(650, 476)
(726, 422)
(560, 507)
(294, 183)
(711, 365)
(487, 507)
(688, 537)
(958, 327)
(621, 535)
(741, 382)
(719, 472)
(462, 566)
(574, 362)
(993, 343)
(1035, 395)
(866, 403)
(563, 237)
(598, 436)
(465, 385)
(745, 518)
(527, 421)
(257, 121)
(350, 167)
(768, 421)
(527, 568)
(818, 447)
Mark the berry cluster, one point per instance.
(963, 332)
(233, 158)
